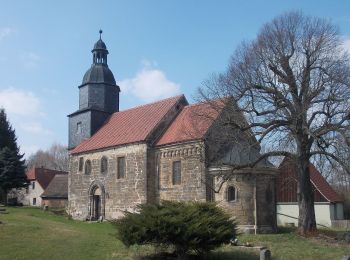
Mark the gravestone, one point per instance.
(265, 254)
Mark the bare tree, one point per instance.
(292, 83)
(55, 158)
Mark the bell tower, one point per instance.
(98, 98)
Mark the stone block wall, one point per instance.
(119, 194)
(55, 203)
(243, 208)
(193, 181)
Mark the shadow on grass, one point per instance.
(286, 230)
(236, 254)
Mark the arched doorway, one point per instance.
(96, 201)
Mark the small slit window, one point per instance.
(81, 164)
(104, 165)
(176, 172)
(88, 167)
(78, 128)
(231, 194)
(121, 168)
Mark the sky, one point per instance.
(158, 49)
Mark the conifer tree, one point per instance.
(12, 164)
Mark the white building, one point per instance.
(328, 204)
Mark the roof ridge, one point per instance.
(152, 103)
(204, 102)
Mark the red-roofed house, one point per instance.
(166, 150)
(328, 204)
(40, 179)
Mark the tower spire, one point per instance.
(100, 52)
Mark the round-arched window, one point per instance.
(104, 165)
(231, 194)
(88, 167)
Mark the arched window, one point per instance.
(88, 167)
(104, 165)
(231, 193)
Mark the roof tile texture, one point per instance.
(316, 178)
(129, 126)
(192, 123)
(42, 175)
(58, 187)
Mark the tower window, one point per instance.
(231, 194)
(121, 168)
(88, 167)
(81, 164)
(176, 172)
(104, 165)
(79, 128)
(33, 185)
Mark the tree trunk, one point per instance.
(3, 197)
(307, 221)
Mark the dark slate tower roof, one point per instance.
(99, 71)
(100, 45)
(99, 74)
(98, 98)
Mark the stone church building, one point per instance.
(166, 150)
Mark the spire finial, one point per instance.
(100, 31)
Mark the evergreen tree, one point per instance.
(12, 164)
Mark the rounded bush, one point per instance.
(186, 226)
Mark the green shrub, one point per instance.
(186, 226)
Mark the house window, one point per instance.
(33, 185)
(176, 172)
(27, 190)
(231, 194)
(34, 201)
(88, 167)
(104, 165)
(121, 168)
(78, 127)
(81, 164)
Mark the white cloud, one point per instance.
(25, 113)
(29, 149)
(19, 102)
(4, 32)
(149, 84)
(35, 128)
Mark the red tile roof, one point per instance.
(42, 175)
(192, 123)
(318, 181)
(322, 185)
(129, 126)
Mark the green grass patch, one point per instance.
(31, 233)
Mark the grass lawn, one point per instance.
(30, 233)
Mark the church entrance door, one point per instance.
(96, 202)
(96, 206)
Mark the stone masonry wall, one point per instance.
(192, 187)
(120, 194)
(243, 207)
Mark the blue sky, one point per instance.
(157, 48)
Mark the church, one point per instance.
(166, 150)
